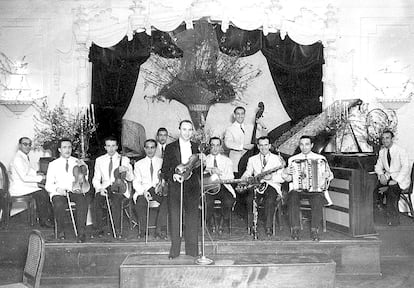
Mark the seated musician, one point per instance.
(393, 170)
(107, 167)
(221, 168)
(316, 199)
(59, 184)
(147, 187)
(25, 181)
(257, 164)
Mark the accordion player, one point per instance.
(309, 175)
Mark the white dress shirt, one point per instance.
(185, 150)
(143, 180)
(235, 139)
(225, 165)
(58, 177)
(255, 166)
(102, 178)
(400, 166)
(23, 178)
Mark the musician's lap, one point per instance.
(269, 198)
(115, 200)
(227, 201)
(316, 201)
(60, 203)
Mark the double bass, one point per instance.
(243, 160)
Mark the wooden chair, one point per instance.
(34, 262)
(405, 195)
(218, 205)
(27, 200)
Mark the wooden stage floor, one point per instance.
(96, 262)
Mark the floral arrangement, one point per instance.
(377, 122)
(202, 77)
(59, 122)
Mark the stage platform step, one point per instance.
(229, 270)
(97, 261)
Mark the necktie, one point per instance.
(389, 157)
(264, 162)
(151, 170)
(162, 151)
(67, 165)
(241, 127)
(110, 167)
(215, 162)
(28, 158)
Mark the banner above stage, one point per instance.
(304, 22)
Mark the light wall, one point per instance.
(370, 34)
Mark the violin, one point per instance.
(81, 184)
(120, 184)
(186, 170)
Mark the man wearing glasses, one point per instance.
(24, 181)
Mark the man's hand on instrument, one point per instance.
(80, 162)
(103, 192)
(326, 174)
(178, 178)
(267, 177)
(392, 182)
(286, 174)
(123, 169)
(61, 191)
(215, 170)
(383, 179)
(261, 123)
(147, 196)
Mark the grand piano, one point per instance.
(354, 182)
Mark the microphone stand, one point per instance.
(202, 260)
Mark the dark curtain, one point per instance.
(296, 71)
(115, 73)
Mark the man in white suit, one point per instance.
(103, 179)
(24, 181)
(219, 167)
(145, 184)
(393, 170)
(257, 164)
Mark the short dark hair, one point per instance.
(263, 138)
(63, 140)
(21, 139)
(161, 129)
(111, 138)
(239, 107)
(306, 137)
(185, 121)
(150, 140)
(214, 138)
(389, 132)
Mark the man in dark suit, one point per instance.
(176, 153)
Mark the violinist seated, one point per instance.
(149, 186)
(25, 181)
(219, 167)
(61, 183)
(256, 165)
(112, 173)
(316, 200)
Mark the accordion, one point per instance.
(308, 175)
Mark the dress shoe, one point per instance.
(161, 236)
(46, 224)
(269, 232)
(81, 238)
(315, 235)
(295, 234)
(171, 257)
(61, 236)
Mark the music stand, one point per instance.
(202, 260)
